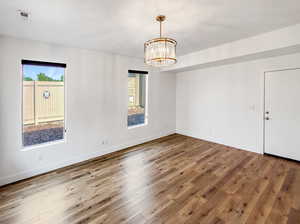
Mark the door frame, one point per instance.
(264, 102)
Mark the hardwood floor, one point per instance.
(175, 179)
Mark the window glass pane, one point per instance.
(43, 104)
(136, 99)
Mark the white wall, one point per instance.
(225, 104)
(96, 104)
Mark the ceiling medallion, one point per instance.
(160, 51)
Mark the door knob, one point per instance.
(267, 118)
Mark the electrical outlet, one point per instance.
(252, 107)
(104, 142)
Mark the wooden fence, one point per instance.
(136, 91)
(133, 91)
(42, 102)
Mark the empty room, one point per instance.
(149, 112)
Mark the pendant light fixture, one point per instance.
(160, 51)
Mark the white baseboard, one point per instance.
(50, 167)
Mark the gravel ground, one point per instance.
(54, 134)
(42, 136)
(136, 119)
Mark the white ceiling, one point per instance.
(122, 26)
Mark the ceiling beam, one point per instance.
(271, 44)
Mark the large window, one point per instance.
(43, 102)
(137, 98)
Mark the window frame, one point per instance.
(146, 121)
(50, 143)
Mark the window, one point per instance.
(137, 98)
(43, 102)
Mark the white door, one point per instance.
(282, 113)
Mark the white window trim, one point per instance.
(146, 105)
(45, 144)
(42, 145)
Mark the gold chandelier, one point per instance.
(160, 51)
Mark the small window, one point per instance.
(43, 102)
(137, 98)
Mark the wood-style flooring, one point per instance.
(175, 179)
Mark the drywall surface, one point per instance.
(96, 107)
(275, 43)
(224, 104)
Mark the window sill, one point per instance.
(137, 126)
(42, 145)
